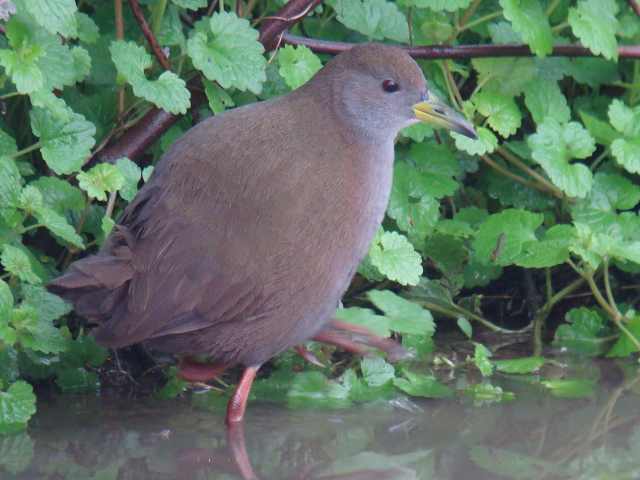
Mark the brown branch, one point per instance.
(635, 5)
(143, 134)
(292, 12)
(462, 51)
(148, 34)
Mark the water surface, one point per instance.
(536, 436)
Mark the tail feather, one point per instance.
(96, 284)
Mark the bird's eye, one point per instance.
(390, 86)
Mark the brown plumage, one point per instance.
(253, 224)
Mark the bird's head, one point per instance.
(379, 89)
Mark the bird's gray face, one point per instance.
(385, 92)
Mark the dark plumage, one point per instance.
(253, 224)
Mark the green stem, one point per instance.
(496, 166)
(596, 163)
(9, 95)
(552, 7)
(549, 285)
(561, 26)
(24, 151)
(510, 157)
(157, 14)
(607, 288)
(456, 311)
(479, 21)
(32, 227)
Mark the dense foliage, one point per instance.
(541, 206)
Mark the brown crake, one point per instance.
(254, 222)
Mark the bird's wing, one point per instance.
(184, 275)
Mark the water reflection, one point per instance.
(537, 436)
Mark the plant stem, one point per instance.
(456, 311)
(479, 21)
(493, 164)
(561, 26)
(119, 20)
(552, 7)
(157, 13)
(24, 151)
(9, 95)
(607, 288)
(510, 157)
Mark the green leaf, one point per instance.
(17, 406)
(439, 5)
(6, 301)
(65, 146)
(501, 111)
(56, 16)
(226, 49)
(544, 99)
(364, 317)
(506, 76)
(551, 250)
(131, 174)
(376, 372)
(520, 365)
(485, 143)
(612, 192)
(191, 4)
(394, 257)
(101, 179)
(501, 237)
(465, 326)
(16, 262)
(168, 92)
(626, 120)
(88, 31)
(554, 145)
(36, 333)
(219, 99)
(21, 62)
(313, 389)
(375, 19)
(572, 388)
(529, 20)
(297, 65)
(627, 153)
(60, 195)
(481, 359)
(10, 183)
(600, 130)
(411, 204)
(625, 345)
(77, 380)
(405, 316)
(58, 225)
(48, 306)
(83, 352)
(483, 393)
(582, 333)
(594, 23)
(418, 385)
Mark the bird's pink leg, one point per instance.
(333, 338)
(308, 356)
(238, 402)
(350, 337)
(393, 349)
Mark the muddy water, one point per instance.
(536, 436)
